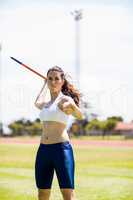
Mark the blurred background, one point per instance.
(91, 40)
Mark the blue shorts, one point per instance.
(58, 157)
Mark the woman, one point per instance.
(55, 151)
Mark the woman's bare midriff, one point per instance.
(54, 132)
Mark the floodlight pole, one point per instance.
(77, 17)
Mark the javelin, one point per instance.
(29, 68)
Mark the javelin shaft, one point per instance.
(28, 68)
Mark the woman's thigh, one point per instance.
(65, 166)
(44, 170)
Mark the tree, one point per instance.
(116, 118)
(107, 126)
(93, 125)
(17, 128)
(25, 127)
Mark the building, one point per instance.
(125, 129)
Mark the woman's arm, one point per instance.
(77, 112)
(39, 103)
(68, 106)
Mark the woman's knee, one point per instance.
(43, 194)
(68, 194)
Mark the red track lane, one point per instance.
(75, 142)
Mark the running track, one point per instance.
(75, 142)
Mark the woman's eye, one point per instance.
(56, 78)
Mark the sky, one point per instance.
(41, 34)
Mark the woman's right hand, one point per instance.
(65, 105)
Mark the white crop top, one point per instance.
(53, 112)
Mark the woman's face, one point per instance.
(55, 81)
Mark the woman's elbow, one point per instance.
(37, 105)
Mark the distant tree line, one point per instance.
(25, 127)
(79, 127)
(95, 126)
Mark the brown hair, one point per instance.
(67, 88)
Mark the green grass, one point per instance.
(102, 173)
(100, 137)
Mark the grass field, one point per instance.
(102, 173)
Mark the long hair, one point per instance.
(67, 88)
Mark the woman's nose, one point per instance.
(53, 82)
